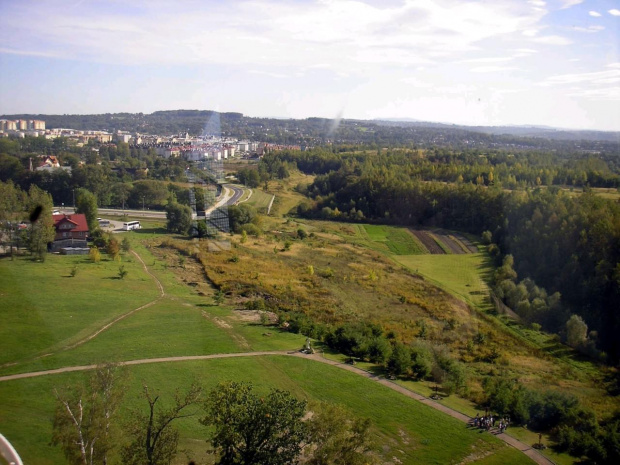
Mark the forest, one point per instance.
(558, 252)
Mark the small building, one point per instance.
(71, 231)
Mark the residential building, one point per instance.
(71, 231)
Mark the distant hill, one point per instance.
(315, 131)
(546, 132)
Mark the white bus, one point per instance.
(131, 225)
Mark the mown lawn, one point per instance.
(181, 323)
(43, 308)
(461, 274)
(404, 429)
(259, 200)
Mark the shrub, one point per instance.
(94, 255)
(122, 272)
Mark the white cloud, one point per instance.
(569, 3)
(488, 60)
(614, 12)
(270, 74)
(538, 3)
(34, 53)
(596, 14)
(593, 78)
(491, 69)
(613, 65)
(345, 33)
(553, 40)
(589, 29)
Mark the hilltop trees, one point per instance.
(253, 429)
(42, 226)
(86, 203)
(179, 217)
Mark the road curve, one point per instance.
(521, 446)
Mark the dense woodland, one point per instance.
(564, 248)
(118, 175)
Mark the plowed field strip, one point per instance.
(446, 240)
(471, 247)
(425, 238)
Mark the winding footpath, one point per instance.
(524, 448)
(521, 446)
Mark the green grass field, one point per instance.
(390, 239)
(259, 200)
(460, 274)
(405, 429)
(183, 322)
(43, 308)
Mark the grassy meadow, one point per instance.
(405, 429)
(259, 200)
(341, 272)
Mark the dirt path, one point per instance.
(526, 449)
(162, 294)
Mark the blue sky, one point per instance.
(543, 62)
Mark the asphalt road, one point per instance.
(238, 192)
(153, 214)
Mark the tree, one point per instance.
(250, 429)
(154, 440)
(113, 248)
(83, 421)
(179, 217)
(12, 203)
(240, 215)
(42, 225)
(337, 438)
(399, 362)
(576, 331)
(86, 203)
(122, 272)
(126, 244)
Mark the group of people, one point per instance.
(488, 421)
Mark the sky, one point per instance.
(497, 62)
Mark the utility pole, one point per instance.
(73, 200)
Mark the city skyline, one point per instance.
(554, 63)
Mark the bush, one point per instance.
(251, 229)
(126, 245)
(122, 272)
(94, 255)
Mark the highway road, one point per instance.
(226, 198)
(238, 192)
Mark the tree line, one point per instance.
(567, 245)
(244, 425)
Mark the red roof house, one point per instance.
(71, 230)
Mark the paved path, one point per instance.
(526, 449)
